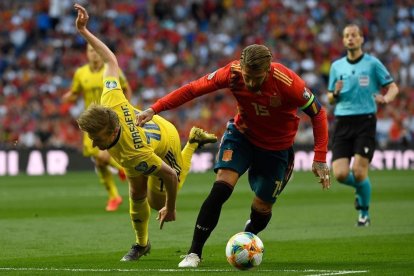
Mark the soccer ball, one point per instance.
(244, 250)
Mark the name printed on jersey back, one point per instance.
(136, 138)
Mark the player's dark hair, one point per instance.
(256, 57)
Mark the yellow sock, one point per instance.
(139, 211)
(114, 164)
(186, 154)
(105, 177)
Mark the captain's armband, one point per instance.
(312, 107)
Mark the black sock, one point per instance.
(209, 215)
(258, 221)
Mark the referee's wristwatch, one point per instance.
(335, 94)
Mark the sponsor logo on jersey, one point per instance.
(363, 80)
(110, 84)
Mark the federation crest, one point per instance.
(227, 155)
(275, 101)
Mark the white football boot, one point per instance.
(190, 260)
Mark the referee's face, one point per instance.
(352, 38)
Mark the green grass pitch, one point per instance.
(56, 225)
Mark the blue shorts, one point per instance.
(269, 171)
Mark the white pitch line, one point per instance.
(319, 272)
(340, 272)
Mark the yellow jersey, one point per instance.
(90, 83)
(140, 149)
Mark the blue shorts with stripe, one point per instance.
(269, 171)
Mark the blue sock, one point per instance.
(350, 180)
(363, 193)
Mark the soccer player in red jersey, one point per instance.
(258, 139)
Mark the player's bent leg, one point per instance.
(156, 193)
(106, 179)
(139, 211)
(260, 215)
(196, 139)
(103, 158)
(208, 218)
(186, 155)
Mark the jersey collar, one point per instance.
(116, 139)
(355, 60)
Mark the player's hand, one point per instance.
(321, 170)
(82, 18)
(164, 216)
(144, 117)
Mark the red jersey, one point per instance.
(268, 117)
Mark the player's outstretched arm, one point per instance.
(144, 117)
(100, 47)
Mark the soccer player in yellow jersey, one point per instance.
(87, 83)
(151, 155)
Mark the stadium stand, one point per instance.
(162, 44)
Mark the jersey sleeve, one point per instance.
(209, 83)
(382, 73)
(301, 97)
(288, 80)
(332, 79)
(112, 94)
(146, 162)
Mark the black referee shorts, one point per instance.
(354, 135)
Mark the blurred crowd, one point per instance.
(163, 44)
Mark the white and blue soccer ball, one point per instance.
(244, 250)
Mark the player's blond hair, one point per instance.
(96, 118)
(256, 57)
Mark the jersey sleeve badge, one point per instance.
(111, 84)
